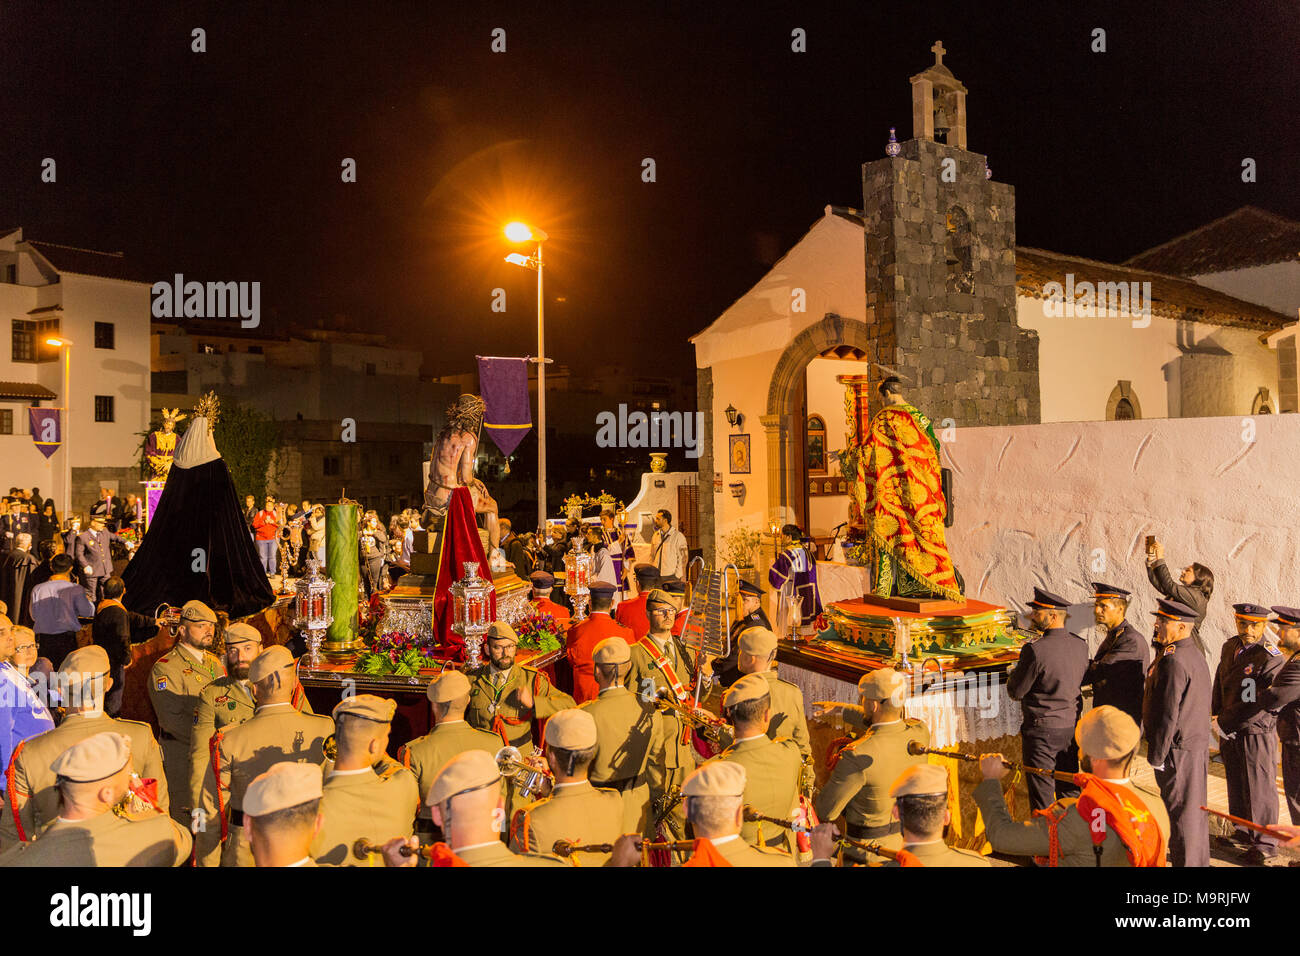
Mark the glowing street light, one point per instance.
(522, 232)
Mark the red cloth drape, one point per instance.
(458, 544)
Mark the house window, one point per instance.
(6, 421)
(207, 348)
(29, 337)
(104, 335)
(394, 460)
(11, 274)
(104, 408)
(370, 368)
(816, 445)
(255, 350)
(330, 465)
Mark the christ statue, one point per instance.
(452, 466)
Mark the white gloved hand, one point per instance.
(88, 569)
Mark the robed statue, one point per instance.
(899, 493)
(161, 446)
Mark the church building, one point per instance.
(925, 281)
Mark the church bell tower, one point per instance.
(941, 268)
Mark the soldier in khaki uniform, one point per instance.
(367, 793)
(1108, 740)
(772, 767)
(225, 702)
(756, 653)
(921, 805)
(33, 791)
(505, 698)
(715, 802)
(174, 685)
(575, 812)
(867, 768)
(466, 801)
(98, 823)
(657, 668)
(274, 733)
(629, 735)
(282, 814)
(451, 735)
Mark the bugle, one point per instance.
(868, 846)
(709, 725)
(568, 847)
(363, 848)
(530, 774)
(916, 750)
(753, 816)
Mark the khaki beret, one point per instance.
(379, 709)
(571, 729)
(286, 784)
(1107, 733)
(749, 687)
(612, 650)
(717, 778)
(883, 684)
(464, 772)
(758, 641)
(269, 661)
(94, 758)
(501, 631)
(88, 661)
(660, 596)
(198, 611)
(242, 634)
(920, 779)
(448, 686)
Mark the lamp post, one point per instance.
(66, 345)
(522, 232)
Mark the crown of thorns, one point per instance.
(466, 413)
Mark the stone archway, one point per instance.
(782, 423)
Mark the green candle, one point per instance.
(343, 564)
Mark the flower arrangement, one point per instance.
(575, 503)
(539, 631)
(741, 545)
(400, 654)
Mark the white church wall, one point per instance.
(826, 398)
(742, 383)
(1082, 359)
(1060, 505)
(1276, 285)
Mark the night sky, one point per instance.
(225, 165)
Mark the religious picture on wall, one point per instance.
(738, 453)
(816, 445)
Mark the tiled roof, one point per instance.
(1172, 297)
(1245, 238)
(26, 391)
(86, 262)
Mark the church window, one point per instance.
(1262, 404)
(1123, 404)
(816, 445)
(1124, 411)
(961, 270)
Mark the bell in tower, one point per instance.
(939, 104)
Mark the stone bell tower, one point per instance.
(941, 268)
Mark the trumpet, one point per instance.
(530, 775)
(753, 816)
(568, 848)
(868, 846)
(363, 848)
(916, 750)
(709, 725)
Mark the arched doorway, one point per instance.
(785, 424)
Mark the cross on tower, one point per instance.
(938, 52)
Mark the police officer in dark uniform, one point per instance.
(1047, 681)
(1176, 726)
(1248, 741)
(1119, 668)
(1282, 697)
(724, 668)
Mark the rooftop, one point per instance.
(1242, 239)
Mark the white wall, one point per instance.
(826, 398)
(1276, 285)
(1080, 360)
(1060, 505)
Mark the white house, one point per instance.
(92, 300)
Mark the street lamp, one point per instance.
(521, 232)
(66, 345)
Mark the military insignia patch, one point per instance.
(162, 684)
(231, 705)
(1250, 669)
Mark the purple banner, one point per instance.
(47, 431)
(508, 417)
